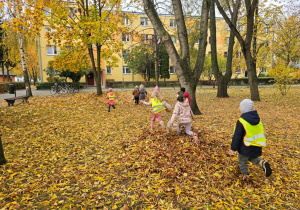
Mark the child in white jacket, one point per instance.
(184, 115)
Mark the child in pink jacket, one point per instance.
(111, 99)
(184, 115)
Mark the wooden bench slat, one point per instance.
(11, 101)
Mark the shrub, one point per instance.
(283, 77)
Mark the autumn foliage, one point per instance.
(62, 154)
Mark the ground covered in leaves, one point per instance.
(68, 152)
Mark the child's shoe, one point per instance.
(195, 138)
(267, 168)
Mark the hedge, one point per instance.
(47, 85)
(4, 86)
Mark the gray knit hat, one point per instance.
(246, 105)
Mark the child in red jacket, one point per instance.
(111, 99)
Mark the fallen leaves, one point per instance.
(69, 152)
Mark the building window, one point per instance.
(144, 21)
(225, 54)
(145, 38)
(238, 54)
(238, 70)
(266, 30)
(172, 70)
(209, 40)
(174, 40)
(126, 20)
(48, 29)
(47, 12)
(51, 50)
(240, 27)
(125, 38)
(71, 13)
(197, 41)
(173, 23)
(108, 70)
(227, 28)
(263, 70)
(126, 70)
(226, 41)
(124, 53)
(68, 47)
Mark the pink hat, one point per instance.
(156, 88)
(110, 90)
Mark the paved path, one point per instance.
(94, 89)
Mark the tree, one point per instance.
(283, 76)
(74, 76)
(251, 6)
(86, 24)
(222, 80)
(141, 61)
(287, 38)
(188, 77)
(163, 63)
(73, 70)
(26, 21)
(11, 53)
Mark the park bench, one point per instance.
(11, 101)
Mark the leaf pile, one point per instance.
(69, 152)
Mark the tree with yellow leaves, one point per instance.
(90, 28)
(25, 18)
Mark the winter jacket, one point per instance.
(136, 92)
(110, 102)
(143, 93)
(182, 112)
(237, 143)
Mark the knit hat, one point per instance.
(110, 90)
(156, 88)
(182, 89)
(246, 105)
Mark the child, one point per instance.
(248, 139)
(157, 107)
(184, 115)
(111, 99)
(136, 95)
(142, 92)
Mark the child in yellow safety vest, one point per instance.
(157, 107)
(249, 138)
(111, 99)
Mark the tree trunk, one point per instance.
(221, 80)
(156, 59)
(246, 44)
(7, 72)
(25, 73)
(2, 157)
(2, 63)
(97, 76)
(99, 72)
(186, 76)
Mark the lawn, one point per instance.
(68, 152)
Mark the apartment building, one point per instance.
(141, 24)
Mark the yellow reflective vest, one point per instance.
(255, 135)
(111, 97)
(157, 105)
